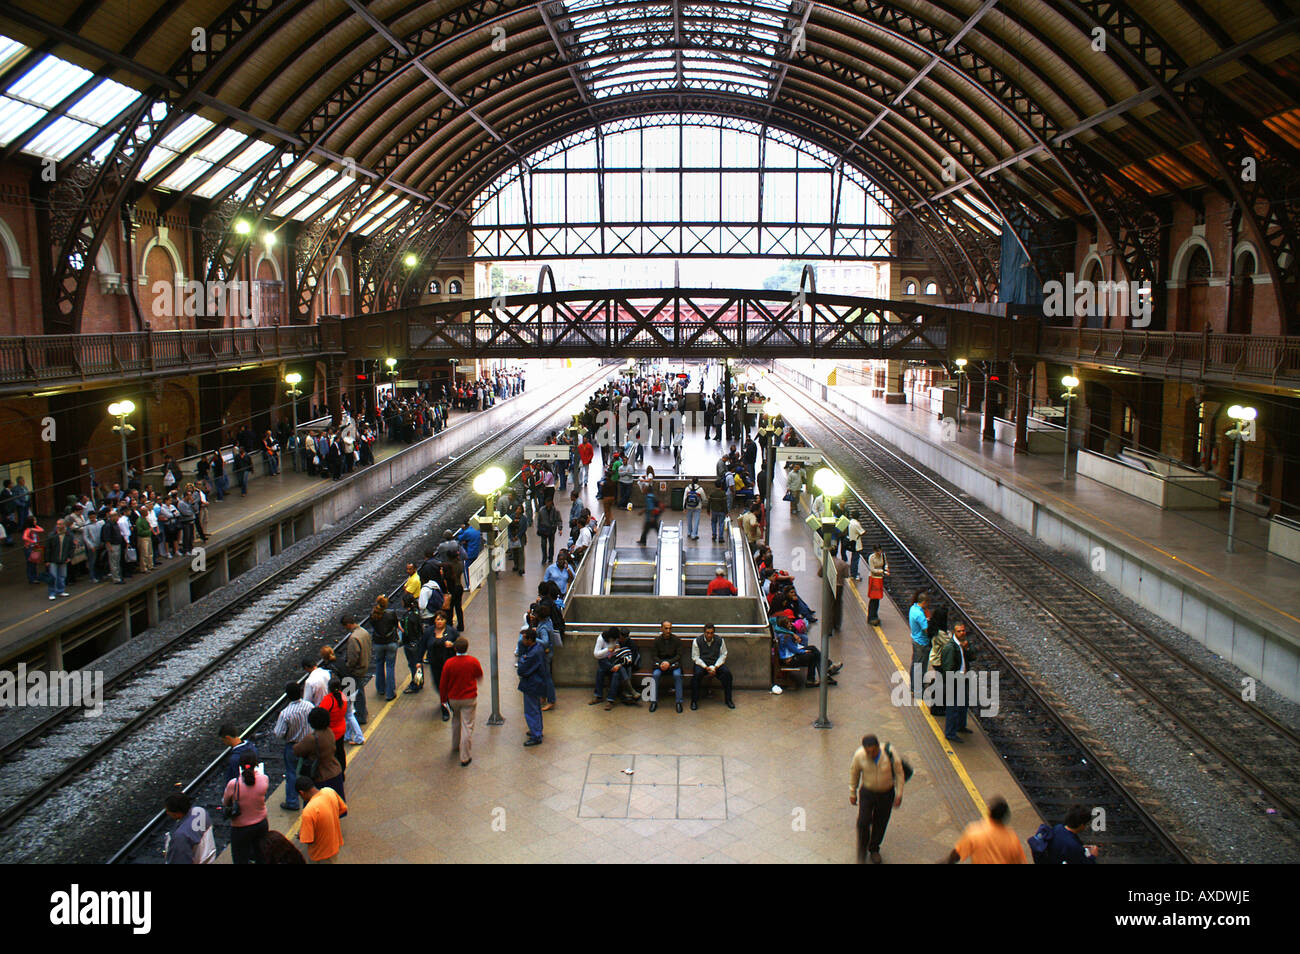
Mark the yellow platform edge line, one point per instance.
(953, 758)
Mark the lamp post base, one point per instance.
(823, 724)
(495, 719)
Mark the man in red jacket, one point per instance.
(458, 687)
(586, 453)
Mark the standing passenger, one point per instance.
(532, 685)
(459, 687)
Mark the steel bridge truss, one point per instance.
(685, 323)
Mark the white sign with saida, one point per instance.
(546, 452)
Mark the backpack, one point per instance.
(1038, 843)
(908, 772)
(692, 498)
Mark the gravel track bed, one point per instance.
(72, 826)
(1234, 824)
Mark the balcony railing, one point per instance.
(1254, 359)
(43, 362)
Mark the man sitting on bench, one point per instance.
(667, 659)
(709, 653)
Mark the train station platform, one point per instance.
(242, 533)
(1243, 606)
(755, 784)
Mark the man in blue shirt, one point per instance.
(238, 749)
(559, 572)
(471, 539)
(918, 621)
(1063, 844)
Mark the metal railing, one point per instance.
(1274, 359)
(50, 361)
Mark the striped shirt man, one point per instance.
(292, 725)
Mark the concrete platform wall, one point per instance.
(1260, 651)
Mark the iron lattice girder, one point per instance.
(86, 206)
(686, 322)
(827, 129)
(1209, 116)
(431, 242)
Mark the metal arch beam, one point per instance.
(1034, 120)
(379, 27)
(813, 134)
(560, 47)
(798, 41)
(142, 127)
(1123, 22)
(801, 126)
(439, 187)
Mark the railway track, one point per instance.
(1260, 750)
(50, 754)
(1054, 760)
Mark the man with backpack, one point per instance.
(876, 779)
(1061, 844)
(693, 502)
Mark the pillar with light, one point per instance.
(831, 486)
(122, 410)
(1070, 382)
(487, 485)
(961, 379)
(293, 392)
(391, 364)
(1243, 417)
(770, 430)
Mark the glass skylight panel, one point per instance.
(10, 50)
(49, 82)
(185, 173)
(174, 143)
(379, 220)
(217, 182)
(15, 117)
(376, 206)
(308, 210)
(103, 103)
(61, 137)
(255, 150)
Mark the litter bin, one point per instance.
(675, 498)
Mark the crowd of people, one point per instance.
(115, 533)
(327, 710)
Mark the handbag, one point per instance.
(36, 555)
(131, 555)
(232, 811)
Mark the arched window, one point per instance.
(453, 286)
(931, 288)
(435, 287)
(1198, 267)
(909, 287)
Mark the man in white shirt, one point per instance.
(853, 546)
(317, 684)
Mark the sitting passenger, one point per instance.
(667, 659)
(794, 651)
(709, 653)
(616, 659)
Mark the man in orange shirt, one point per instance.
(320, 830)
(990, 841)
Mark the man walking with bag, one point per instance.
(876, 786)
